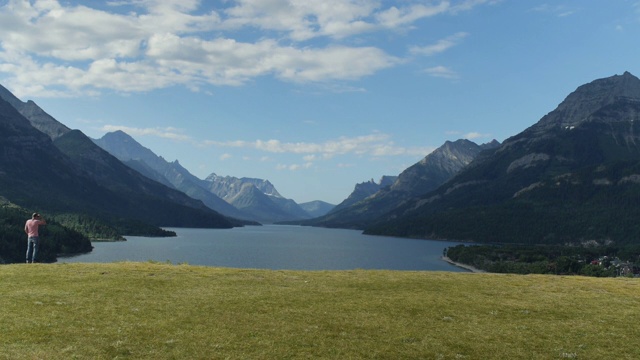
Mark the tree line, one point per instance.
(56, 238)
(599, 261)
(64, 233)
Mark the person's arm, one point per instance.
(26, 229)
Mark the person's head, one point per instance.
(35, 216)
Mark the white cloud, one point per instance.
(225, 156)
(440, 46)
(294, 167)
(442, 72)
(67, 33)
(470, 135)
(344, 165)
(304, 20)
(476, 135)
(331, 63)
(556, 10)
(396, 17)
(50, 48)
(376, 145)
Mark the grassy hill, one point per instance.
(164, 311)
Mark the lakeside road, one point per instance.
(464, 266)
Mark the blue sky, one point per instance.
(313, 95)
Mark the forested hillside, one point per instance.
(573, 177)
(65, 176)
(56, 238)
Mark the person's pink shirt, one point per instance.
(31, 227)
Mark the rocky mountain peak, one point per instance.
(36, 116)
(118, 135)
(452, 156)
(440, 165)
(256, 197)
(490, 145)
(563, 180)
(387, 180)
(227, 187)
(212, 177)
(589, 98)
(124, 147)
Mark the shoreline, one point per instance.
(464, 266)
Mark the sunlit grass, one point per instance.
(164, 311)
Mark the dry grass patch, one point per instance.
(163, 311)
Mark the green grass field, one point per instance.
(164, 311)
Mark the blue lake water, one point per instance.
(276, 247)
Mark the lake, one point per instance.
(276, 247)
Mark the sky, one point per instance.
(313, 95)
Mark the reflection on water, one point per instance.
(277, 247)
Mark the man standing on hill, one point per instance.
(31, 228)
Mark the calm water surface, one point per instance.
(277, 247)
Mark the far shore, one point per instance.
(464, 266)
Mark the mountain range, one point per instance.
(236, 198)
(171, 174)
(573, 177)
(363, 190)
(244, 198)
(369, 200)
(50, 168)
(257, 197)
